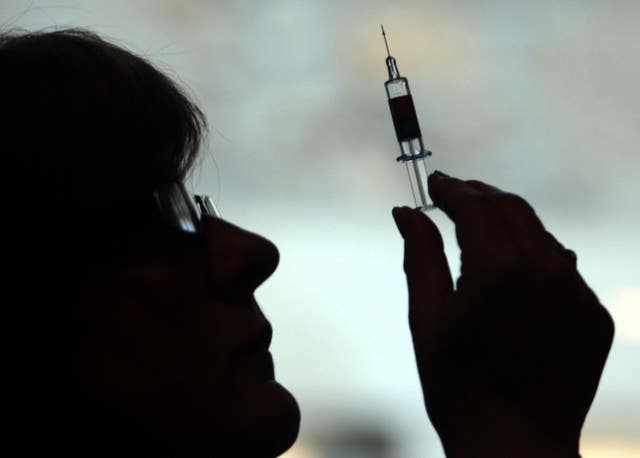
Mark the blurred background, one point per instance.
(539, 98)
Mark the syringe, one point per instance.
(405, 121)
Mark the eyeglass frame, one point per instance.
(182, 210)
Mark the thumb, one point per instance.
(428, 276)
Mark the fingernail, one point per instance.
(439, 174)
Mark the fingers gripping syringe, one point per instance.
(405, 121)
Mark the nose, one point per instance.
(239, 260)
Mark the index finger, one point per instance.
(428, 276)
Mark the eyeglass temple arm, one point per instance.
(206, 205)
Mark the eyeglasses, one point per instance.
(182, 211)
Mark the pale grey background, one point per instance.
(539, 98)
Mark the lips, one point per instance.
(255, 368)
(251, 362)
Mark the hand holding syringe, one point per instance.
(405, 121)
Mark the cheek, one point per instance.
(151, 358)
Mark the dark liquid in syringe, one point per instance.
(404, 118)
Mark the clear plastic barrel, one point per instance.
(414, 157)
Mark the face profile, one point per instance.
(177, 343)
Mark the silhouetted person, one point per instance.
(141, 333)
(145, 340)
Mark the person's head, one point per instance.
(142, 339)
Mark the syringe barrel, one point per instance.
(413, 152)
(403, 112)
(414, 157)
(418, 175)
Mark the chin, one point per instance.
(265, 419)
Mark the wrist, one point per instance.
(507, 442)
(499, 433)
(502, 450)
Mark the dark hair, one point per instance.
(88, 130)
